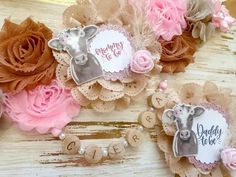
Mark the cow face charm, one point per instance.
(84, 66)
(185, 140)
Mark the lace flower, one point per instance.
(195, 94)
(191, 94)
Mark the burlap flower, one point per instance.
(25, 58)
(101, 95)
(117, 12)
(194, 94)
(221, 97)
(96, 12)
(177, 53)
(191, 93)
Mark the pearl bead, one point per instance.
(81, 151)
(62, 136)
(125, 143)
(104, 153)
(151, 109)
(140, 127)
(163, 85)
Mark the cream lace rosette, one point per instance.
(101, 94)
(193, 94)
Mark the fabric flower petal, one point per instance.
(25, 58)
(45, 108)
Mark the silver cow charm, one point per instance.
(185, 140)
(84, 65)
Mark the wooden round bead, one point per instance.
(157, 100)
(93, 154)
(134, 137)
(116, 150)
(147, 119)
(71, 144)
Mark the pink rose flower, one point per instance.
(142, 62)
(167, 17)
(47, 108)
(221, 18)
(228, 157)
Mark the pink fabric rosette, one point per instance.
(228, 157)
(221, 18)
(142, 62)
(167, 17)
(47, 108)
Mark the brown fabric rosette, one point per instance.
(177, 53)
(25, 58)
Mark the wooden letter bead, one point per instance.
(93, 154)
(134, 137)
(147, 119)
(71, 144)
(157, 100)
(116, 150)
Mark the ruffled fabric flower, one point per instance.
(194, 93)
(100, 94)
(167, 17)
(228, 157)
(47, 108)
(212, 94)
(198, 10)
(25, 58)
(203, 31)
(191, 93)
(116, 12)
(177, 53)
(142, 62)
(96, 12)
(221, 17)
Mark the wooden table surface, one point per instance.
(27, 154)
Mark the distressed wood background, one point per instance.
(27, 154)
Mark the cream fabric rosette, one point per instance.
(115, 12)
(100, 94)
(194, 94)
